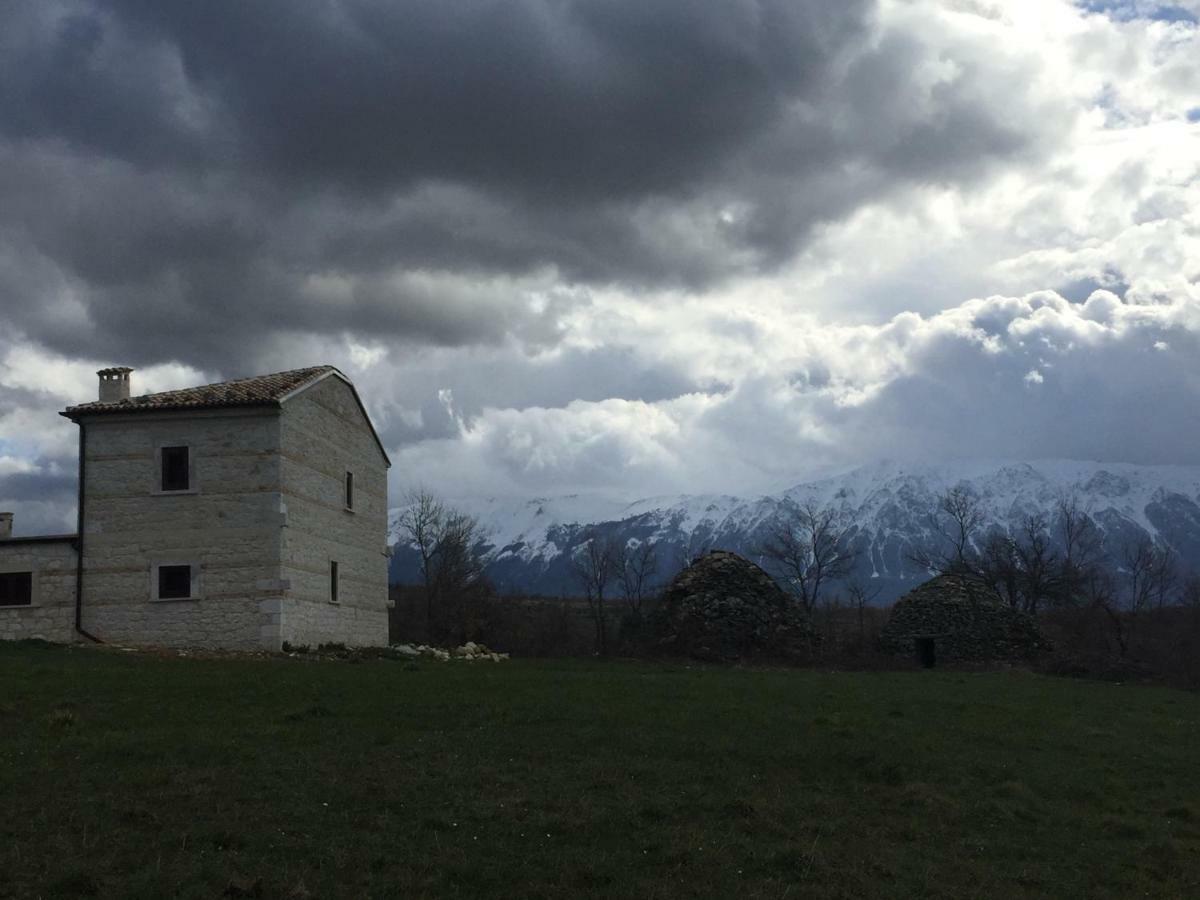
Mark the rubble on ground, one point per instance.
(468, 651)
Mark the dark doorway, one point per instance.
(926, 652)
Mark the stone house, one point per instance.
(237, 515)
(957, 618)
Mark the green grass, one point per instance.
(136, 775)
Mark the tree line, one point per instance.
(452, 562)
(1042, 562)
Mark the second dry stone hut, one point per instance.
(958, 618)
(724, 608)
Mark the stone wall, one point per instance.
(51, 616)
(311, 624)
(228, 524)
(965, 620)
(323, 436)
(723, 607)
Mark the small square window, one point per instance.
(174, 582)
(176, 469)
(333, 582)
(16, 588)
(349, 490)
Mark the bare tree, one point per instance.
(808, 544)
(1022, 567)
(450, 546)
(1040, 564)
(421, 522)
(460, 582)
(960, 517)
(594, 566)
(1080, 539)
(999, 566)
(1138, 562)
(1081, 548)
(636, 568)
(861, 597)
(955, 521)
(1190, 592)
(1103, 594)
(1164, 575)
(1148, 573)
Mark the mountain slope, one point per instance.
(886, 506)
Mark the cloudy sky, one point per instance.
(612, 245)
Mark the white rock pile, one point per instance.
(468, 651)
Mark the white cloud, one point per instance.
(937, 386)
(11, 465)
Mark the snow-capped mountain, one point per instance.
(887, 506)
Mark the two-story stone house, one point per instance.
(236, 515)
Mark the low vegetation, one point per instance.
(1127, 615)
(156, 775)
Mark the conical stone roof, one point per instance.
(965, 618)
(724, 607)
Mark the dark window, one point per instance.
(175, 469)
(16, 588)
(174, 582)
(333, 582)
(349, 490)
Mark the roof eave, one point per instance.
(76, 413)
(40, 539)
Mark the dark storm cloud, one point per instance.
(14, 398)
(44, 504)
(596, 99)
(188, 180)
(51, 487)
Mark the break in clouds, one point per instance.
(612, 245)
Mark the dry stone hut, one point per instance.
(958, 618)
(723, 607)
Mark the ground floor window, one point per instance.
(16, 588)
(333, 582)
(174, 582)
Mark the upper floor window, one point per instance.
(349, 490)
(176, 469)
(16, 588)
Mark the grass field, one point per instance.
(138, 775)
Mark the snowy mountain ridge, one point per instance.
(886, 505)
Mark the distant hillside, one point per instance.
(887, 505)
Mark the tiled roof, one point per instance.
(261, 390)
(39, 539)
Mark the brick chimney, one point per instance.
(114, 384)
(5, 525)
